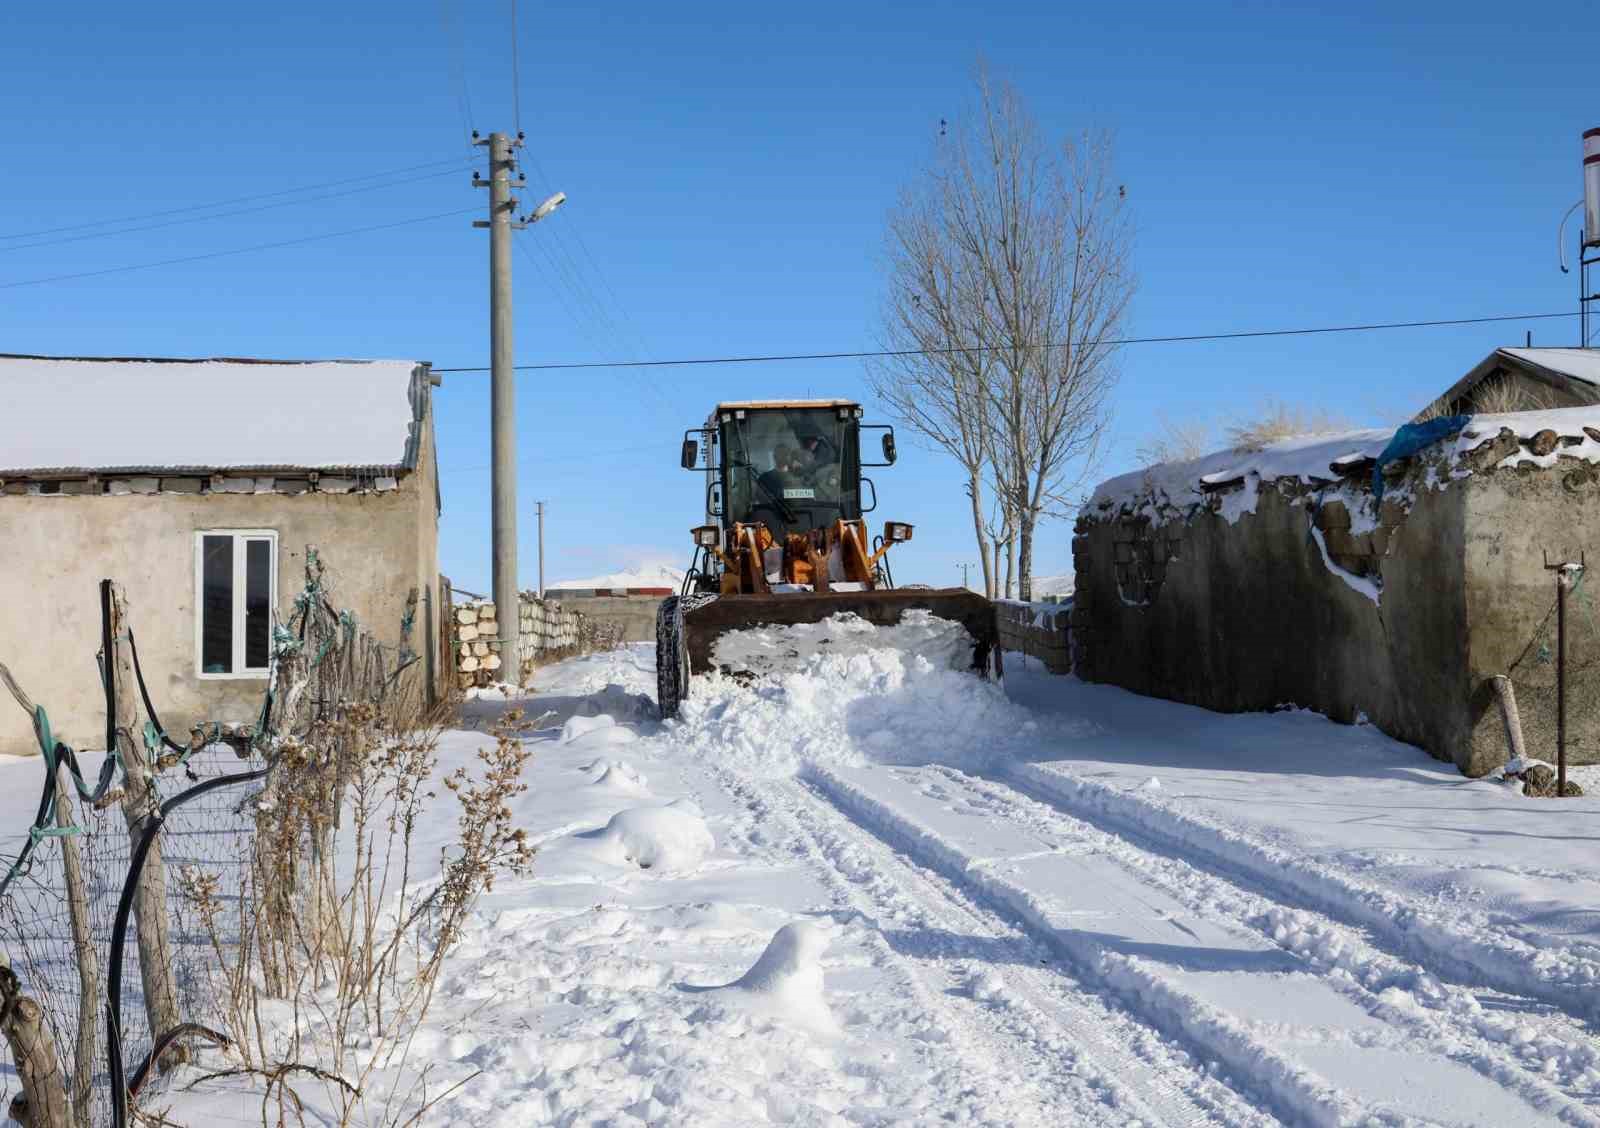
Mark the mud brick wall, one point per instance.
(1039, 630)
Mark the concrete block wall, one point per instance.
(1039, 630)
(545, 630)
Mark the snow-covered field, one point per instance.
(882, 892)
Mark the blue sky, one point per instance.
(729, 167)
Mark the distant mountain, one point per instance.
(645, 576)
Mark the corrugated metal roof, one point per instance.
(75, 415)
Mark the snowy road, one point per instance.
(1012, 910)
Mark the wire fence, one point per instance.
(109, 976)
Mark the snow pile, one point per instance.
(777, 649)
(670, 838)
(787, 979)
(845, 692)
(617, 777)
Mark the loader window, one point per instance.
(794, 469)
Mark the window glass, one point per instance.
(793, 469)
(258, 603)
(216, 602)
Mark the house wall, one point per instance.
(54, 550)
(1250, 616)
(1514, 518)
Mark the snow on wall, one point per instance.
(64, 415)
(1175, 489)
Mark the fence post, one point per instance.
(43, 1101)
(140, 804)
(83, 951)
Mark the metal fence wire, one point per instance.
(72, 899)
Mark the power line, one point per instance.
(457, 70)
(867, 355)
(229, 214)
(237, 250)
(516, 74)
(230, 201)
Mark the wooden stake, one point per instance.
(139, 805)
(83, 951)
(43, 1103)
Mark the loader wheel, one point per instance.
(672, 658)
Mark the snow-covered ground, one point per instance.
(879, 891)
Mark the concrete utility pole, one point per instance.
(502, 388)
(964, 568)
(541, 550)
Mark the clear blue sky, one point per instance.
(729, 167)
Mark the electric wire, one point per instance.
(516, 74)
(457, 71)
(230, 214)
(228, 202)
(236, 250)
(877, 353)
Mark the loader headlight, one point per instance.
(895, 531)
(706, 536)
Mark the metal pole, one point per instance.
(541, 550)
(502, 402)
(1562, 582)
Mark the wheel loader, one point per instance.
(786, 543)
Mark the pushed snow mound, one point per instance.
(779, 649)
(670, 838)
(618, 777)
(895, 695)
(786, 981)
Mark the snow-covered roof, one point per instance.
(69, 415)
(1578, 364)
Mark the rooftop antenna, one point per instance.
(1588, 235)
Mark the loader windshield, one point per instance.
(793, 469)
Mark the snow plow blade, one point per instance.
(688, 628)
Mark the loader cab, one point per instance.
(791, 466)
(794, 467)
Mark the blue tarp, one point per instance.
(1411, 438)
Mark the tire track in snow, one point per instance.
(1163, 999)
(1084, 1058)
(1557, 1070)
(1567, 979)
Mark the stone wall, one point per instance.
(1040, 630)
(631, 610)
(546, 631)
(1302, 589)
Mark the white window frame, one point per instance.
(240, 672)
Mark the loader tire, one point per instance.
(672, 658)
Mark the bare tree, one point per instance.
(1016, 291)
(935, 384)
